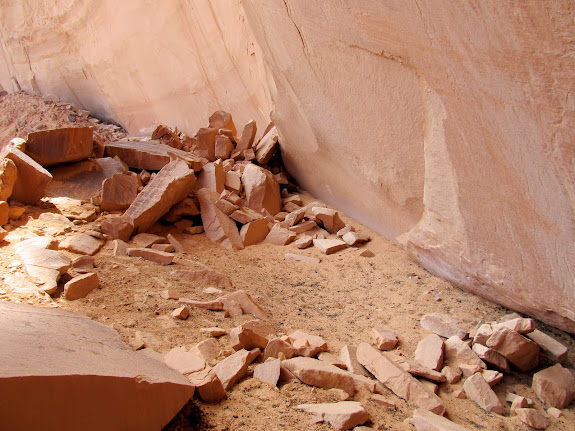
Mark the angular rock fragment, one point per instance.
(552, 348)
(181, 313)
(553, 412)
(251, 334)
(167, 248)
(329, 218)
(268, 372)
(343, 415)
(532, 418)
(44, 266)
(152, 255)
(397, 380)
(254, 232)
(306, 344)
(8, 177)
(119, 191)
(279, 236)
(214, 332)
(317, 373)
(212, 177)
(520, 351)
(234, 367)
(32, 179)
(491, 357)
(303, 226)
(304, 242)
(329, 246)
(207, 305)
(247, 139)
(460, 354)
(72, 358)
(223, 120)
(63, 145)
(429, 352)
(442, 325)
(183, 361)
(223, 147)
(82, 243)
(331, 360)
(246, 215)
(170, 186)
(367, 253)
(120, 248)
(555, 386)
(385, 338)
(492, 377)
(519, 403)
(83, 264)
(348, 356)
(208, 349)
(427, 421)
(478, 390)
(208, 385)
(267, 146)
(81, 286)
(146, 240)
(452, 374)
(178, 247)
(233, 181)
(218, 226)
(520, 325)
(277, 346)
(118, 227)
(245, 301)
(416, 369)
(262, 189)
(483, 334)
(354, 238)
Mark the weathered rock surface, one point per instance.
(44, 265)
(62, 145)
(119, 191)
(69, 357)
(170, 186)
(262, 189)
(427, 421)
(82, 243)
(268, 372)
(443, 325)
(478, 390)
(555, 386)
(429, 352)
(343, 415)
(520, 351)
(217, 225)
(8, 177)
(81, 286)
(317, 373)
(234, 367)
(32, 179)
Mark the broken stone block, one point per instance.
(268, 372)
(478, 390)
(8, 177)
(152, 255)
(555, 386)
(248, 135)
(226, 207)
(556, 351)
(349, 358)
(146, 240)
(194, 230)
(303, 227)
(233, 181)
(520, 351)
(329, 246)
(251, 334)
(44, 266)
(118, 227)
(416, 369)
(167, 248)
(429, 352)
(304, 242)
(247, 304)
(397, 380)
(555, 413)
(150, 155)
(483, 334)
(119, 248)
(52, 147)
(427, 421)
(280, 236)
(519, 403)
(492, 377)
(460, 354)
(83, 264)
(491, 357)
(317, 373)
(385, 338)
(203, 277)
(520, 325)
(452, 374)
(277, 346)
(262, 189)
(170, 186)
(223, 147)
(183, 361)
(82, 243)
(246, 215)
(203, 144)
(208, 305)
(208, 349)
(214, 332)
(223, 120)
(4, 213)
(212, 177)
(306, 344)
(443, 325)
(343, 415)
(187, 207)
(301, 258)
(354, 238)
(218, 226)
(532, 418)
(32, 179)
(181, 313)
(178, 247)
(234, 367)
(14, 213)
(119, 191)
(254, 232)
(70, 357)
(329, 218)
(208, 385)
(267, 146)
(81, 286)
(332, 360)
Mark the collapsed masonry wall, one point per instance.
(446, 129)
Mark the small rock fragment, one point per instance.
(348, 356)
(152, 255)
(268, 372)
(306, 344)
(386, 338)
(181, 313)
(317, 373)
(82, 243)
(458, 353)
(251, 334)
(332, 360)
(80, 286)
(553, 348)
(427, 421)
(478, 390)
(532, 418)
(329, 246)
(367, 253)
(354, 238)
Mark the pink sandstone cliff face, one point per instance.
(136, 62)
(448, 129)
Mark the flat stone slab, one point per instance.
(344, 415)
(83, 365)
(53, 147)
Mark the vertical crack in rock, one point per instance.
(289, 13)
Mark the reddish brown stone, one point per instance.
(317, 373)
(208, 349)
(119, 191)
(8, 177)
(63, 145)
(233, 181)
(80, 286)
(234, 367)
(267, 146)
(427, 421)
(82, 243)
(491, 357)
(553, 348)
(32, 179)
(306, 344)
(254, 333)
(254, 232)
(429, 352)
(386, 338)
(247, 139)
(458, 353)
(478, 390)
(246, 215)
(212, 177)
(280, 236)
(118, 227)
(343, 415)
(181, 313)
(208, 385)
(202, 277)
(223, 147)
(520, 351)
(304, 242)
(268, 372)
(247, 304)
(348, 356)
(218, 226)
(277, 346)
(532, 418)
(223, 120)
(555, 386)
(178, 247)
(443, 325)
(329, 246)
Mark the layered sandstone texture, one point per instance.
(136, 63)
(447, 128)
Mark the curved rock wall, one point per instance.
(138, 63)
(448, 129)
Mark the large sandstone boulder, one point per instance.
(60, 370)
(448, 134)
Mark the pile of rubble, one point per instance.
(234, 189)
(442, 358)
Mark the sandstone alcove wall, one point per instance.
(448, 129)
